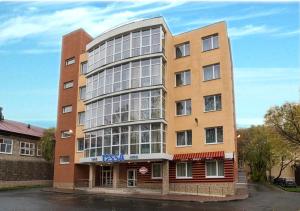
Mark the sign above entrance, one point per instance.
(143, 170)
(112, 158)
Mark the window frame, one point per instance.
(65, 132)
(81, 69)
(77, 144)
(69, 82)
(185, 138)
(213, 69)
(184, 72)
(152, 171)
(79, 114)
(215, 103)
(212, 42)
(184, 44)
(12, 144)
(81, 88)
(185, 110)
(70, 61)
(27, 148)
(216, 135)
(217, 169)
(65, 107)
(186, 171)
(64, 163)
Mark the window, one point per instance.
(213, 103)
(182, 50)
(6, 146)
(64, 159)
(183, 78)
(156, 170)
(183, 170)
(70, 61)
(27, 148)
(82, 91)
(80, 145)
(38, 150)
(65, 134)
(183, 107)
(68, 85)
(184, 138)
(211, 72)
(81, 116)
(83, 68)
(67, 109)
(210, 42)
(214, 135)
(214, 168)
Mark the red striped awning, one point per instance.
(199, 156)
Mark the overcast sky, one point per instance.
(265, 41)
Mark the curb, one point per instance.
(149, 197)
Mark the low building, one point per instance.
(140, 107)
(21, 162)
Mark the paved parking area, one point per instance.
(261, 198)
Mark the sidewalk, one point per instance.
(241, 194)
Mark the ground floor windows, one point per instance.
(183, 170)
(214, 168)
(131, 177)
(132, 140)
(27, 148)
(156, 171)
(6, 146)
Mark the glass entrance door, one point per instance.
(131, 178)
(106, 176)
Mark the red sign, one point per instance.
(143, 170)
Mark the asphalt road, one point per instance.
(261, 198)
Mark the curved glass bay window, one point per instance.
(131, 44)
(127, 140)
(135, 106)
(140, 73)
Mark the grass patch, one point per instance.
(297, 189)
(23, 187)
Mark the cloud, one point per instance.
(93, 19)
(248, 15)
(289, 33)
(250, 30)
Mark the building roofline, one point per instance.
(75, 31)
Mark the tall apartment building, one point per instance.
(142, 108)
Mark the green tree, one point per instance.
(255, 150)
(48, 144)
(285, 120)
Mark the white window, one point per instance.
(156, 170)
(213, 103)
(183, 170)
(27, 148)
(68, 84)
(83, 68)
(211, 72)
(6, 146)
(183, 78)
(184, 138)
(214, 135)
(182, 50)
(67, 109)
(210, 42)
(81, 116)
(65, 134)
(64, 159)
(39, 150)
(70, 61)
(214, 168)
(82, 91)
(80, 145)
(183, 107)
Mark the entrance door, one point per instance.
(131, 178)
(106, 176)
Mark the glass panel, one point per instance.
(209, 103)
(189, 137)
(220, 134)
(211, 169)
(179, 79)
(208, 73)
(180, 108)
(180, 139)
(188, 107)
(210, 135)
(218, 102)
(189, 169)
(220, 168)
(180, 170)
(217, 70)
